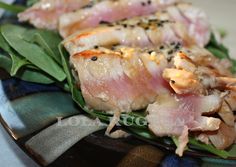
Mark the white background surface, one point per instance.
(222, 14)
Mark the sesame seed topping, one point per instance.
(143, 3)
(94, 58)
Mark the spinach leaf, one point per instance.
(32, 52)
(5, 63)
(220, 51)
(17, 61)
(217, 52)
(31, 2)
(12, 8)
(48, 40)
(232, 151)
(209, 148)
(26, 74)
(76, 93)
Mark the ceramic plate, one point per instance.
(49, 127)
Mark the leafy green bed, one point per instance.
(38, 56)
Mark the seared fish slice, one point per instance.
(147, 31)
(119, 79)
(193, 19)
(45, 13)
(175, 115)
(124, 78)
(109, 11)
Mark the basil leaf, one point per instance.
(12, 8)
(32, 52)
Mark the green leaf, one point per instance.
(209, 148)
(232, 151)
(218, 53)
(31, 2)
(17, 61)
(12, 8)
(26, 74)
(5, 63)
(145, 133)
(76, 93)
(35, 76)
(32, 52)
(219, 49)
(3, 44)
(48, 40)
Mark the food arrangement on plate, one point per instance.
(153, 66)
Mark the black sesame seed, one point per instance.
(124, 19)
(143, 4)
(149, 2)
(104, 22)
(125, 25)
(149, 52)
(94, 58)
(162, 21)
(170, 52)
(169, 59)
(177, 47)
(162, 47)
(153, 20)
(172, 81)
(96, 47)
